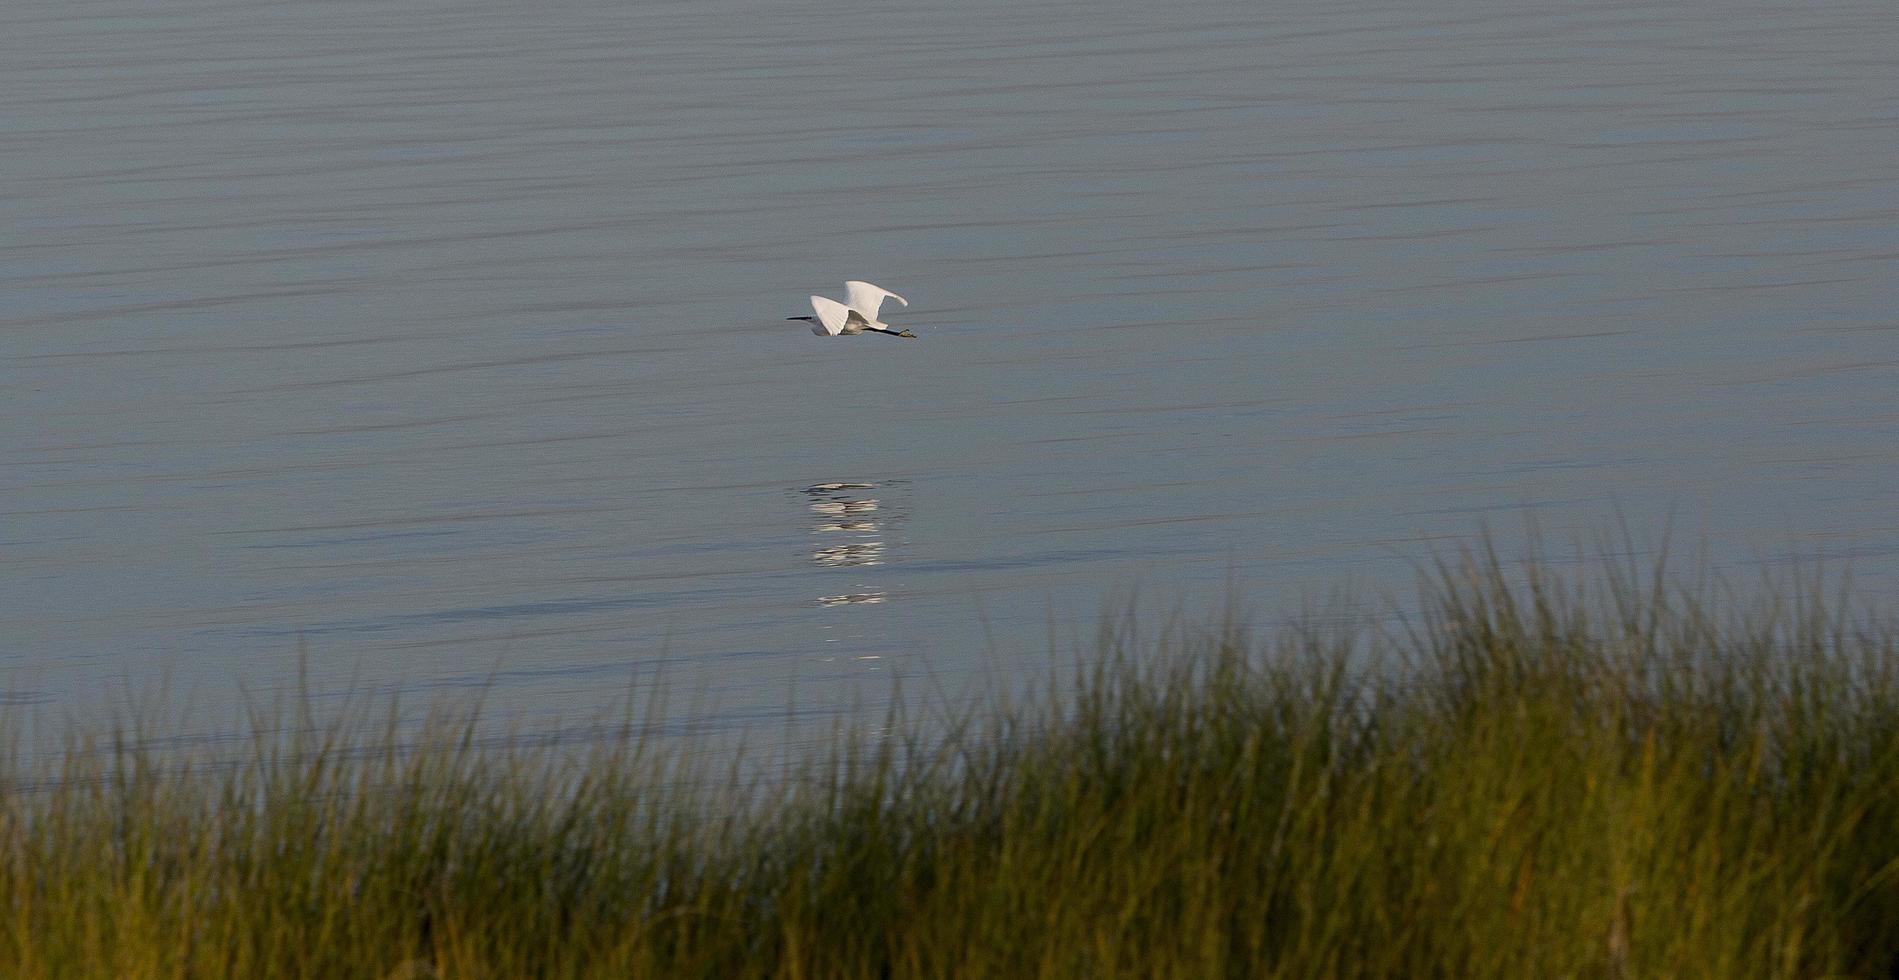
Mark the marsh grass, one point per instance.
(1588, 776)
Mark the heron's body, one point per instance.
(854, 317)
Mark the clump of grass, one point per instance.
(1584, 777)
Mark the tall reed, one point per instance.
(1582, 776)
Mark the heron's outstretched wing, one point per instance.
(832, 316)
(865, 298)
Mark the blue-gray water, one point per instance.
(443, 343)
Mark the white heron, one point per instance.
(855, 316)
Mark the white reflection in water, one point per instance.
(852, 599)
(859, 526)
(843, 507)
(853, 555)
(853, 526)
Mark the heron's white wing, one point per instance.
(865, 298)
(832, 315)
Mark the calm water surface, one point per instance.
(442, 344)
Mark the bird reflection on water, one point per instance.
(852, 599)
(852, 525)
(852, 554)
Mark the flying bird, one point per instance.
(856, 315)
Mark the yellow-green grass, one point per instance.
(1530, 778)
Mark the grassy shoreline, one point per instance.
(1588, 776)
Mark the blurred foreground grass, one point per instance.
(1592, 776)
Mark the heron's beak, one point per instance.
(797, 318)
